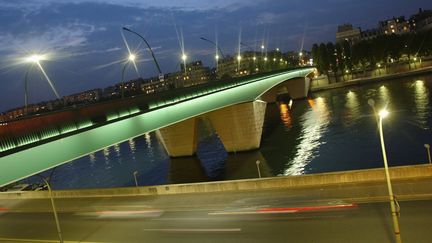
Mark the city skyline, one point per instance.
(86, 47)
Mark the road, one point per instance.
(319, 214)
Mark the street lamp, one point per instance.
(35, 59)
(258, 168)
(184, 57)
(151, 51)
(135, 173)
(131, 58)
(382, 114)
(53, 208)
(239, 57)
(217, 46)
(427, 146)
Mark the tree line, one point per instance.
(367, 54)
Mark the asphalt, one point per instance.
(341, 213)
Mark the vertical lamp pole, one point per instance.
(383, 114)
(427, 146)
(26, 89)
(135, 173)
(54, 209)
(258, 168)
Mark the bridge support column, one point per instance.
(239, 127)
(179, 139)
(297, 88)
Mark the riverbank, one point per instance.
(318, 84)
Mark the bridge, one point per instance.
(239, 102)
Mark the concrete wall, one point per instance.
(239, 128)
(402, 173)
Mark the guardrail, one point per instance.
(413, 172)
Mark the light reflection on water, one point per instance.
(314, 125)
(421, 99)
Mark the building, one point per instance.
(88, 96)
(421, 21)
(191, 74)
(394, 25)
(347, 32)
(370, 34)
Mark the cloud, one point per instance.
(184, 5)
(58, 37)
(270, 18)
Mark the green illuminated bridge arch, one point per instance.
(42, 151)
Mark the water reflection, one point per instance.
(384, 94)
(285, 115)
(314, 125)
(117, 150)
(352, 106)
(421, 100)
(132, 147)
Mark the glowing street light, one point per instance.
(216, 45)
(36, 59)
(148, 45)
(131, 58)
(254, 58)
(262, 47)
(184, 58)
(265, 59)
(382, 114)
(239, 57)
(217, 57)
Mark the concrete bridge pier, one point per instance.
(238, 126)
(297, 88)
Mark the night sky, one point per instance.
(85, 48)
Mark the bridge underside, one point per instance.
(236, 98)
(239, 127)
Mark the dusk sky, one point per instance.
(85, 48)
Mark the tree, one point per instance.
(331, 52)
(323, 60)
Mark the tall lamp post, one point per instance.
(427, 146)
(26, 89)
(131, 58)
(36, 60)
(53, 208)
(217, 46)
(382, 114)
(151, 51)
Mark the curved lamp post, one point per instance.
(217, 46)
(382, 114)
(35, 60)
(151, 51)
